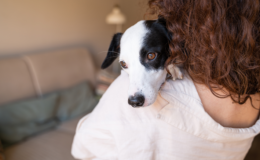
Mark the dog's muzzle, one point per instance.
(136, 100)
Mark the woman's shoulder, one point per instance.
(226, 112)
(223, 110)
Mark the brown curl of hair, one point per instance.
(217, 42)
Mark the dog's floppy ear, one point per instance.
(113, 51)
(161, 20)
(175, 72)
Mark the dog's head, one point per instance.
(142, 50)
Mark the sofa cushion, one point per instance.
(16, 82)
(35, 74)
(52, 145)
(23, 119)
(76, 101)
(63, 68)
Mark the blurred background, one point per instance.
(50, 57)
(31, 26)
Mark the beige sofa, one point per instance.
(33, 75)
(30, 76)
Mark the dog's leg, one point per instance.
(175, 72)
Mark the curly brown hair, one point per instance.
(217, 41)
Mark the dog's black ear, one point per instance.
(161, 20)
(113, 51)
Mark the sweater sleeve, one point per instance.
(94, 138)
(94, 143)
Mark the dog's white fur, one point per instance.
(146, 82)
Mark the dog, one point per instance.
(143, 50)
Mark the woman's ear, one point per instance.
(113, 51)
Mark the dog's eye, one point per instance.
(151, 56)
(123, 64)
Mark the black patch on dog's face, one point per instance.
(156, 41)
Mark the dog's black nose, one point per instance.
(136, 100)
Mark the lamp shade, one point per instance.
(116, 16)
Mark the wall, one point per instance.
(134, 10)
(30, 26)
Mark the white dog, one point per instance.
(143, 50)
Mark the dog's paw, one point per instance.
(175, 72)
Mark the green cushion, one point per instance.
(22, 119)
(76, 101)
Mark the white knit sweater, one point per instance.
(175, 127)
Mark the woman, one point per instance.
(213, 113)
(222, 41)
